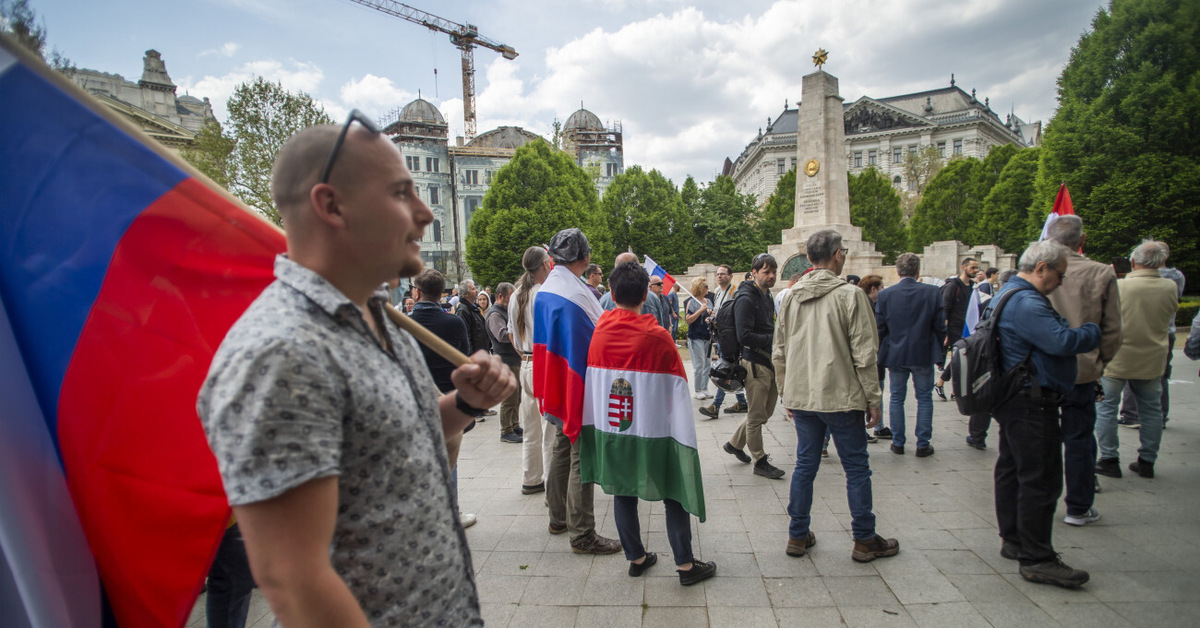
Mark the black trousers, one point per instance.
(1079, 447)
(1029, 475)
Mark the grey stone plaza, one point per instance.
(1143, 554)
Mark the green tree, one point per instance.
(645, 214)
(920, 167)
(949, 207)
(1125, 138)
(1005, 212)
(262, 116)
(689, 195)
(19, 21)
(989, 171)
(725, 227)
(539, 192)
(780, 211)
(875, 207)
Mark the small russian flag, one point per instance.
(653, 268)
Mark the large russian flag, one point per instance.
(119, 275)
(639, 437)
(564, 317)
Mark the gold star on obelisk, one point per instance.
(820, 57)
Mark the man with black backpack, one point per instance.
(721, 297)
(754, 321)
(1037, 347)
(956, 298)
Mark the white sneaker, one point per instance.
(466, 520)
(1084, 519)
(707, 395)
(698, 396)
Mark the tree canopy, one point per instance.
(780, 211)
(1005, 215)
(1126, 140)
(645, 214)
(949, 207)
(725, 225)
(262, 116)
(538, 193)
(875, 207)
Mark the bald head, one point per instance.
(298, 166)
(625, 257)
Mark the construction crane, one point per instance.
(464, 37)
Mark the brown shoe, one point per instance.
(797, 547)
(878, 547)
(595, 544)
(557, 528)
(737, 408)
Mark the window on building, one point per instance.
(897, 155)
(472, 204)
(793, 163)
(612, 170)
(487, 177)
(437, 231)
(872, 158)
(858, 159)
(433, 164)
(471, 177)
(434, 195)
(912, 149)
(896, 180)
(780, 164)
(941, 149)
(414, 163)
(957, 147)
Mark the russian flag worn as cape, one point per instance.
(564, 317)
(119, 276)
(639, 437)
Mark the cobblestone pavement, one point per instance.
(1143, 554)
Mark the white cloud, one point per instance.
(294, 75)
(227, 49)
(375, 95)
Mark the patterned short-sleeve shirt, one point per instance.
(302, 389)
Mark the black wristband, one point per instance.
(466, 408)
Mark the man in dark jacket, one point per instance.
(501, 341)
(469, 312)
(912, 328)
(956, 296)
(1029, 471)
(754, 321)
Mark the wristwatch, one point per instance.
(466, 408)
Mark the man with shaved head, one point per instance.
(327, 428)
(652, 305)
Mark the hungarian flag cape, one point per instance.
(638, 434)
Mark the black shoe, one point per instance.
(883, 432)
(871, 438)
(977, 444)
(924, 451)
(557, 529)
(737, 408)
(1054, 571)
(636, 569)
(1131, 422)
(519, 431)
(1010, 550)
(797, 547)
(1109, 466)
(699, 572)
(736, 453)
(1142, 468)
(898, 450)
(710, 411)
(593, 543)
(941, 393)
(764, 468)
(530, 489)
(511, 437)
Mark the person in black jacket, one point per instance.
(956, 295)
(754, 321)
(468, 311)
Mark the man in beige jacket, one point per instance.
(825, 332)
(1148, 302)
(1088, 294)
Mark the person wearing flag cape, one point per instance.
(638, 439)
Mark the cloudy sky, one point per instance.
(691, 81)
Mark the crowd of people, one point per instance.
(337, 435)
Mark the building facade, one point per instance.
(151, 104)
(882, 132)
(453, 179)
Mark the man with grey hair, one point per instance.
(469, 312)
(912, 328)
(1129, 411)
(502, 345)
(1039, 347)
(1088, 294)
(824, 357)
(1151, 300)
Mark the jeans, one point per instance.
(229, 583)
(719, 398)
(762, 392)
(569, 500)
(699, 348)
(679, 529)
(850, 438)
(922, 380)
(1148, 393)
(1129, 406)
(1079, 447)
(1029, 475)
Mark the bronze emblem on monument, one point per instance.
(820, 57)
(812, 167)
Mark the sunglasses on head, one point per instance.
(341, 138)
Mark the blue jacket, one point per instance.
(912, 324)
(1030, 326)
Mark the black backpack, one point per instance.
(725, 333)
(979, 380)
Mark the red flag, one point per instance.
(1062, 202)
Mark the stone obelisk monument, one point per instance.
(822, 192)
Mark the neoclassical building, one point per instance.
(151, 104)
(453, 179)
(881, 132)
